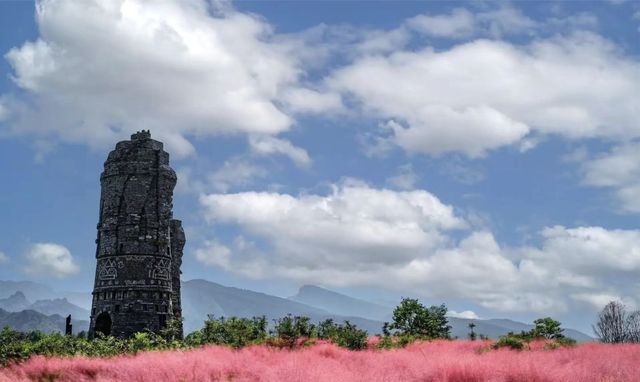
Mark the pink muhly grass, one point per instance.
(454, 361)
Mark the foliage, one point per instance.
(346, 335)
(173, 330)
(411, 322)
(289, 330)
(547, 328)
(472, 333)
(414, 319)
(235, 332)
(509, 341)
(560, 342)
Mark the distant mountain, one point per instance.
(15, 303)
(36, 291)
(201, 297)
(32, 291)
(60, 306)
(341, 304)
(28, 320)
(494, 328)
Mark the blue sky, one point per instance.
(481, 154)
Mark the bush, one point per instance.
(235, 332)
(414, 319)
(291, 329)
(350, 337)
(547, 328)
(510, 342)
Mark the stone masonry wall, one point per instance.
(139, 245)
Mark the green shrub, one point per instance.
(414, 319)
(396, 341)
(350, 337)
(547, 328)
(235, 332)
(290, 329)
(508, 341)
(560, 342)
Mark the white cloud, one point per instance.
(99, 69)
(468, 314)
(50, 259)
(405, 179)
(459, 23)
(404, 241)
(310, 101)
(266, 145)
(3, 258)
(482, 95)
(233, 173)
(618, 169)
(462, 173)
(214, 253)
(353, 222)
(598, 300)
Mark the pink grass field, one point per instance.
(426, 361)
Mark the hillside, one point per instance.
(340, 304)
(28, 320)
(17, 302)
(201, 298)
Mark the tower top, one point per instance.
(140, 135)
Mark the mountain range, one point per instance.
(201, 298)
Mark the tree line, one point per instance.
(411, 321)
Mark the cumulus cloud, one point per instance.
(214, 253)
(468, 314)
(406, 241)
(459, 23)
(495, 22)
(311, 101)
(352, 223)
(485, 94)
(179, 68)
(233, 173)
(618, 169)
(404, 179)
(50, 259)
(266, 145)
(3, 258)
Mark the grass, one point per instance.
(453, 361)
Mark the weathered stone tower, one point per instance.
(139, 244)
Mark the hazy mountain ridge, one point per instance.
(18, 302)
(15, 303)
(35, 291)
(28, 320)
(201, 298)
(341, 304)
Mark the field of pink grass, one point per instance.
(455, 361)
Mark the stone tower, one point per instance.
(139, 244)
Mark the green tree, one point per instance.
(235, 332)
(290, 329)
(548, 328)
(414, 319)
(472, 334)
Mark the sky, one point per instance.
(485, 155)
